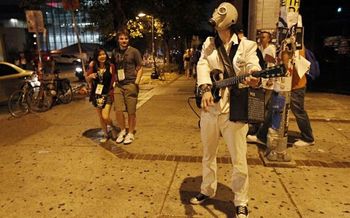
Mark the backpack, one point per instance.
(314, 66)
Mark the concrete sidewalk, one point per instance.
(56, 168)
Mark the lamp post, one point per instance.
(152, 33)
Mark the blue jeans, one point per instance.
(297, 107)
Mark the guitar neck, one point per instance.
(230, 81)
(270, 72)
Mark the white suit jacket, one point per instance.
(244, 61)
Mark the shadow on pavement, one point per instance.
(96, 133)
(222, 201)
(16, 129)
(4, 110)
(93, 134)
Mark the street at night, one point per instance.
(150, 108)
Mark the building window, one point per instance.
(59, 25)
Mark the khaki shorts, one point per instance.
(125, 97)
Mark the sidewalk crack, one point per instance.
(167, 192)
(288, 194)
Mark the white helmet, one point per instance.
(224, 16)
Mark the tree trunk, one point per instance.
(119, 18)
(166, 51)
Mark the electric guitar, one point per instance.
(218, 83)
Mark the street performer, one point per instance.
(215, 120)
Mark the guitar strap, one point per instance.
(226, 59)
(238, 97)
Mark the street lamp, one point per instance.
(152, 33)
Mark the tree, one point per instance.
(109, 16)
(31, 4)
(138, 27)
(182, 19)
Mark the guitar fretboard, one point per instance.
(267, 73)
(230, 81)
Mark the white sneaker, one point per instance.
(129, 138)
(254, 139)
(301, 143)
(242, 212)
(121, 136)
(198, 199)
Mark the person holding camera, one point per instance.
(128, 62)
(215, 117)
(100, 77)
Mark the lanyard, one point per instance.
(120, 57)
(100, 73)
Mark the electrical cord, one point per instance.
(194, 111)
(189, 104)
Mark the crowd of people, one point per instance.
(190, 60)
(298, 89)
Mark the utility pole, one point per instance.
(35, 23)
(155, 73)
(153, 49)
(72, 5)
(277, 153)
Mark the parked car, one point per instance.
(11, 78)
(66, 59)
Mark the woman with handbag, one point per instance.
(100, 76)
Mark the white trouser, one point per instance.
(234, 134)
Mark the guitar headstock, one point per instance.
(270, 72)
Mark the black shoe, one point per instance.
(200, 198)
(242, 212)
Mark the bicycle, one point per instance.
(81, 89)
(17, 102)
(33, 96)
(60, 89)
(39, 98)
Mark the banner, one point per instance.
(289, 11)
(35, 21)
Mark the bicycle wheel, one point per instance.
(65, 92)
(39, 99)
(17, 104)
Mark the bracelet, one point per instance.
(205, 88)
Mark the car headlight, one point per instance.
(78, 69)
